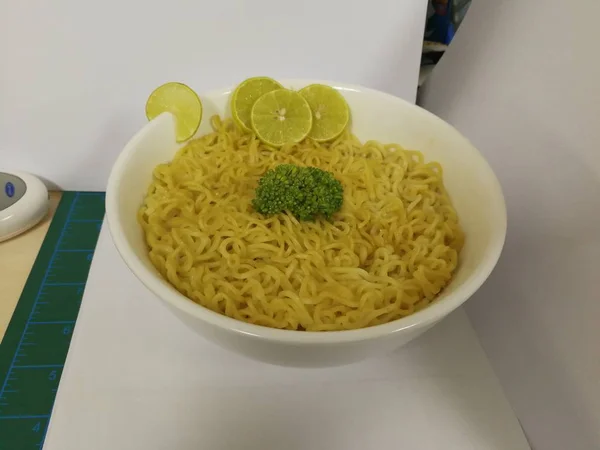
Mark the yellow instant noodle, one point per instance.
(386, 254)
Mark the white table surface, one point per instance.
(135, 378)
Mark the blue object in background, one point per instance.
(444, 18)
(439, 27)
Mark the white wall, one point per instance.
(75, 74)
(522, 80)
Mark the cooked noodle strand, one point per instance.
(386, 254)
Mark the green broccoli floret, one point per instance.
(305, 192)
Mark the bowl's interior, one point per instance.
(473, 187)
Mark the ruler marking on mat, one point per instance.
(36, 343)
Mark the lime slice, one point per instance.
(331, 113)
(281, 117)
(244, 96)
(182, 102)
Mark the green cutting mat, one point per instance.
(34, 349)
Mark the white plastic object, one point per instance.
(23, 203)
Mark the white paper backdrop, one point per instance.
(75, 75)
(521, 81)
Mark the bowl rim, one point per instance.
(427, 316)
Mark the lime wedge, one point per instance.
(182, 102)
(244, 96)
(331, 113)
(281, 117)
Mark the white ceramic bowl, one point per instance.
(469, 179)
